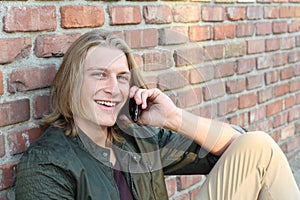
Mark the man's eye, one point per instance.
(123, 78)
(98, 74)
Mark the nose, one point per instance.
(111, 85)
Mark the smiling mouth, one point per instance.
(107, 103)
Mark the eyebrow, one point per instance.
(106, 70)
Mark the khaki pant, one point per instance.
(253, 167)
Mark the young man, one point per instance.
(93, 150)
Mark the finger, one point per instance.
(132, 91)
(144, 97)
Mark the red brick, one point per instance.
(14, 111)
(255, 46)
(214, 52)
(254, 81)
(287, 43)
(1, 83)
(271, 12)
(77, 16)
(240, 119)
(294, 114)
(158, 14)
(31, 18)
(14, 49)
(289, 102)
(187, 181)
(186, 13)
(41, 106)
(294, 26)
(294, 56)
(280, 27)
(213, 13)
(200, 33)
(264, 61)
(286, 12)
(280, 120)
(182, 197)
(201, 74)
(297, 41)
(2, 146)
(265, 95)
(19, 140)
(189, 97)
(23, 79)
(287, 132)
(272, 44)
(235, 49)
(54, 45)
(173, 35)
(7, 175)
(254, 12)
(227, 106)
(224, 31)
(272, 77)
(141, 38)
(281, 89)
(213, 91)
(257, 114)
(195, 193)
(295, 85)
(245, 29)
(172, 80)
(265, 125)
(245, 65)
(280, 59)
(188, 56)
(274, 108)
(235, 13)
(247, 100)
(121, 15)
(297, 70)
(209, 111)
(151, 80)
(171, 184)
(287, 73)
(235, 86)
(264, 28)
(225, 69)
(157, 60)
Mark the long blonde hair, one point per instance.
(66, 87)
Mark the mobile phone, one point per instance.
(133, 110)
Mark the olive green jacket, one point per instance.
(59, 167)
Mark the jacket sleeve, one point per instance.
(182, 156)
(43, 181)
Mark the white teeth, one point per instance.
(107, 103)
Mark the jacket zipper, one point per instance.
(149, 166)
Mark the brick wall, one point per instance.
(232, 60)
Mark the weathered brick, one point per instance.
(187, 181)
(201, 74)
(280, 59)
(19, 140)
(41, 106)
(14, 111)
(289, 102)
(294, 26)
(294, 56)
(2, 145)
(294, 114)
(247, 100)
(255, 46)
(295, 85)
(77, 16)
(157, 60)
(173, 35)
(263, 28)
(287, 132)
(227, 106)
(158, 14)
(53, 45)
(30, 18)
(141, 38)
(172, 80)
(287, 73)
(188, 56)
(280, 27)
(224, 31)
(213, 13)
(121, 15)
(1, 83)
(235, 86)
(171, 184)
(7, 175)
(235, 13)
(213, 91)
(254, 81)
(271, 12)
(286, 12)
(235, 49)
(14, 49)
(23, 79)
(257, 114)
(274, 108)
(209, 111)
(214, 52)
(264, 61)
(271, 77)
(287, 43)
(245, 29)
(186, 13)
(272, 44)
(245, 65)
(280, 120)
(190, 97)
(265, 95)
(254, 12)
(200, 33)
(225, 69)
(281, 89)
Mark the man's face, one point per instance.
(105, 89)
